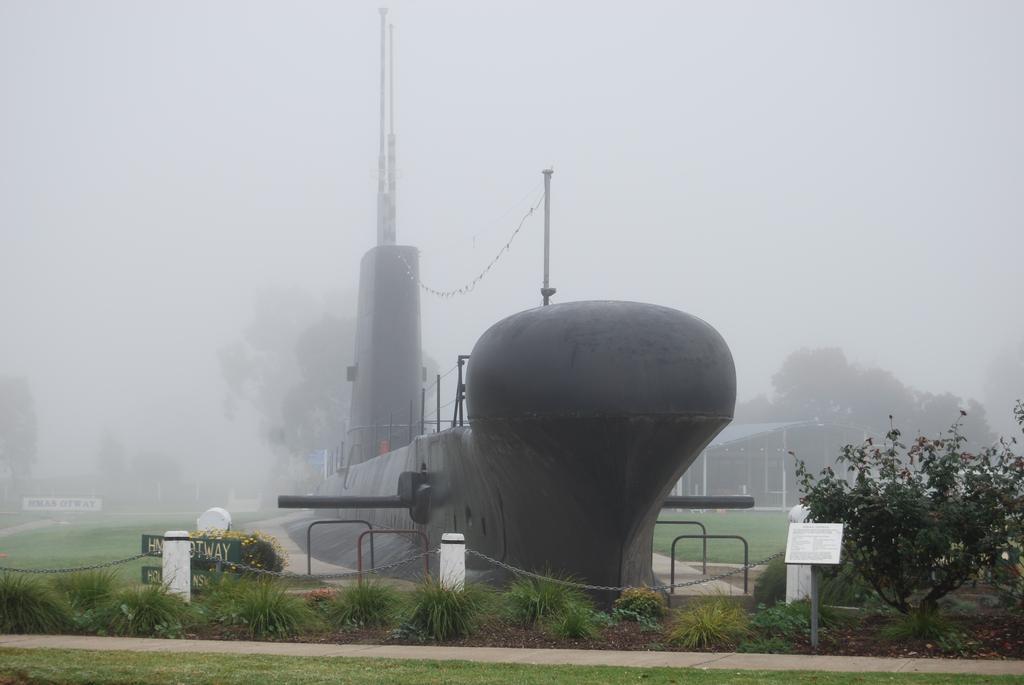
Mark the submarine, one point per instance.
(581, 418)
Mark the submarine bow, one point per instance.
(585, 414)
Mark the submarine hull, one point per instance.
(583, 416)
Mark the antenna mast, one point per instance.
(382, 201)
(546, 290)
(391, 234)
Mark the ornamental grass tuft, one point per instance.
(922, 623)
(28, 605)
(712, 622)
(370, 603)
(144, 611)
(87, 590)
(442, 614)
(265, 608)
(529, 600)
(576, 622)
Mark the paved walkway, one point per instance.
(580, 657)
(25, 527)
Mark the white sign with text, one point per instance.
(814, 543)
(62, 503)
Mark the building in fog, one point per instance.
(754, 459)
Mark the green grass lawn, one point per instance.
(74, 666)
(765, 532)
(83, 539)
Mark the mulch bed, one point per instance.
(996, 635)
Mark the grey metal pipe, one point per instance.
(699, 502)
(321, 502)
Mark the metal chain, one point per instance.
(316, 576)
(613, 588)
(75, 569)
(396, 564)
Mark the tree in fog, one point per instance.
(17, 426)
(1004, 385)
(290, 366)
(821, 384)
(110, 456)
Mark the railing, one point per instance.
(318, 522)
(396, 531)
(746, 555)
(703, 530)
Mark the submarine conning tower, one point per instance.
(588, 412)
(388, 371)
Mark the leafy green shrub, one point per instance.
(770, 645)
(790, 621)
(922, 520)
(148, 610)
(28, 605)
(264, 608)
(576, 622)
(712, 622)
(643, 603)
(529, 600)
(922, 623)
(783, 621)
(439, 613)
(370, 603)
(86, 590)
(770, 586)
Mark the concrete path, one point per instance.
(297, 559)
(578, 657)
(25, 527)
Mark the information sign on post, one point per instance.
(814, 544)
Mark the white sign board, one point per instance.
(62, 503)
(814, 543)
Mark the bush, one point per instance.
(770, 586)
(259, 550)
(86, 590)
(923, 623)
(784, 621)
(144, 611)
(576, 622)
(712, 622)
(263, 607)
(529, 600)
(370, 603)
(643, 603)
(441, 614)
(28, 605)
(920, 521)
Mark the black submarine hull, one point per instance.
(583, 415)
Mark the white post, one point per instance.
(453, 561)
(798, 577)
(178, 563)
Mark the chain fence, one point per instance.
(234, 565)
(615, 588)
(316, 576)
(76, 569)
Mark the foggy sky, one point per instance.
(798, 174)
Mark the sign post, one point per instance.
(814, 544)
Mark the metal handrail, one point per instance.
(746, 555)
(309, 540)
(411, 531)
(704, 567)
